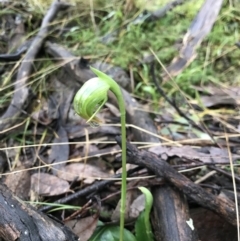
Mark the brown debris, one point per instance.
(44, 184)
(19, 182)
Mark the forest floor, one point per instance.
(178, 62)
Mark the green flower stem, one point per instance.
(124, 169)
(87, 102)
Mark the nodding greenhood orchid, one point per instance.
(88, 100)
(87, 103)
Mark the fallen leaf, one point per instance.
(19, 182)
(137, 206)
(84, 227)
(209, 101)
(130, 197)
(79, 171)
(215, 154)
(59, 152)
(116, 213)
(45, 184)
(78, 131)
(113, 109)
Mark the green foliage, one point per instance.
(143, 228)
(57, 206)
(111, 233)
(128, 44)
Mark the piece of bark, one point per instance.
(19, 221)
(171, 223)
(21, 91)
(212, 227)
(199, 29)
(222, 206)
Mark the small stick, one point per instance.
(21, 91)
(222, 206)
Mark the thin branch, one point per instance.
(90, 190)
(21, 91)
(220, 205)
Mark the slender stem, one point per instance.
(92, 93)
(124, 169)
(121, 103)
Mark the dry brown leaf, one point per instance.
(84, 227)
(78, 131)
(48, 185)
(113, 109)
(116, 213)
(233, 91)
(131, 195)
(221, 155)
(19, 183)
(59, 153)
(215, 154)
(137, 206)
(89, 148)
(79, 171)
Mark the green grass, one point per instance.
(132, 42)
(217, 60)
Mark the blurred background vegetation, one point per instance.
(108, 30)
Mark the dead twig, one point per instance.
(21, 91)
(96, 187)
(222, 206)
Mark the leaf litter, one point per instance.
(81, 171)
(44, 184)
(69, 135)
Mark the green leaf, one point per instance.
(142, 226)
(111, 233)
